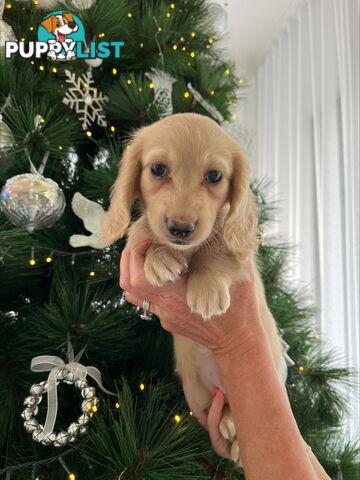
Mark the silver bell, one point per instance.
(62, 439)
(36, 389)
(88, 392)
(29, 413)
(88, 404)
(84, 419)
(32, 400)
(81, 383)
(44, 385)
(38, 431)
(31, 425)
(49, 440)
(73, 429)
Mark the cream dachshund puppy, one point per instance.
(192, 182)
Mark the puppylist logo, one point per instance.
(61, 35)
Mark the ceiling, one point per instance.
(252, 26)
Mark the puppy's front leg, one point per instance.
(211, 276)
(163, 265)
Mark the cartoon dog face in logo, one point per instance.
(60, 25)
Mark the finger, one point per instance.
(141, 248)
(131, 298)
(125, 269)
(137, 259)
(221, 446)
(215, 414)
(138, 302)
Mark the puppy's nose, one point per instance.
(179, 229)
(72, 24)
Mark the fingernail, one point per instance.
(216, 389)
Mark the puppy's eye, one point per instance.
(159, 170)
(213, 176)
(58, 24)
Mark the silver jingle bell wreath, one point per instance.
(73, 373)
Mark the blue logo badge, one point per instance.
(60, 30)
(61, 35)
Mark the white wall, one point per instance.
(252, 26)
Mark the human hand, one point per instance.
(226, 334)
(213, 418)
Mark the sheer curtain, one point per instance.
(307, 100)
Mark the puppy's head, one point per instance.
(187, 173)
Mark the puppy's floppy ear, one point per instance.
(48, 23)
(241, 222)
(123, 194)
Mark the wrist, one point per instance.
(242, 343)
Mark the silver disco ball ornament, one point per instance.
(83, 4)
(217, 19)
(7, 143)
(32, 201)
(6, 35)
(79, 4)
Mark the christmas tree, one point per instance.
(69, 121)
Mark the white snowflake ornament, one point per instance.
(85, 99)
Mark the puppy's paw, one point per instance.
(227, 425)
(163, 265)
(207, 297)
(235, 453)
(227, 430)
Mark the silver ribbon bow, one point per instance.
(37, 128)
(55, 365)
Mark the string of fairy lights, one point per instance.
(177, 418)
(45, 255)
(182, 44)
(48, 255)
